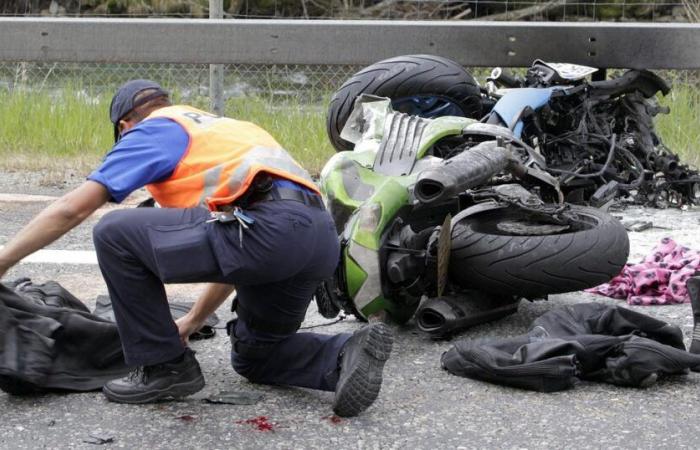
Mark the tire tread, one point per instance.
(536, 267)
(415, 75)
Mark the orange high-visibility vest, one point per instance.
(222, 158)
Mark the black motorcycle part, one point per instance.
(485, 257)
(442, 316)
(646, 82)
(403, 267)
(328, 306)
(464, 171)
(503, 77)
(400, 77)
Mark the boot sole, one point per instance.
(174, 391)
(361, 387)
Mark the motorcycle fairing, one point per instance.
(346, 183)
(397, 151)
(510, 106)
(368, 227)
(365, 125)
(364, 201)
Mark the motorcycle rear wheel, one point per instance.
(489, 257)
(433, 80)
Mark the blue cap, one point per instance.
(123, 100)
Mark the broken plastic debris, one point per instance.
(637, 225)
(235, 398)
(99, 439)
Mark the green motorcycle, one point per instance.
(453, 221)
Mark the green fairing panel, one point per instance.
(378, 211)
(346, 177)
(354, 274)
(373, 217)
(364, 203)
(439, 128)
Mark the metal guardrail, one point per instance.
(331, 42)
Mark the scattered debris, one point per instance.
(99, 439)
(259, 423)
(235, 398)
(637, 225)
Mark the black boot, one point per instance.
(693, 286)
(147, 384)
(361, 365)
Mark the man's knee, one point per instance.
(111, 228)
(107, 228)
(248, 368)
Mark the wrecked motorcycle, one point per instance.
(596, 137)
(454, 221)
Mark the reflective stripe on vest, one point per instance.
(223, 157)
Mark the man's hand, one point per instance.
(187, 325)
(53, 222)
(212, 297)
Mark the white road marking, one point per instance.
(62, 257)
(25, 198)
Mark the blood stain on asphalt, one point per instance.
(259, 423)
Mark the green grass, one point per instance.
(69, 129)
(45, 131)
(680, 130)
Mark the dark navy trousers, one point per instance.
(284, 255)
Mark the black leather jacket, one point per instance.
(588, 341)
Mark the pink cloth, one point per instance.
(658, 280)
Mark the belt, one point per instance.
(279, 193)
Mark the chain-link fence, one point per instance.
(190, 82)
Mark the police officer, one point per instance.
(237, 211)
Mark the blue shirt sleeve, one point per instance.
(146, 154)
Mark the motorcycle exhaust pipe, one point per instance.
(443, 316)
(466, 170)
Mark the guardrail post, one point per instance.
(216, 71)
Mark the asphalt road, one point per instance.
(420, 405)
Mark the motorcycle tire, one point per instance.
(326, 304)
(532, 266)
(403, 77)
